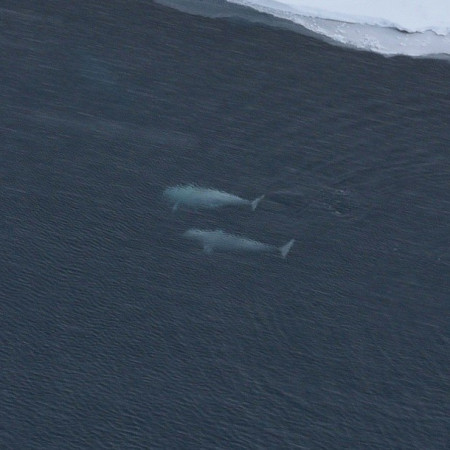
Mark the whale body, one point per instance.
(212, 240)
(195, 197)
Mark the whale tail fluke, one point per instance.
(284, 250)
(255, 202)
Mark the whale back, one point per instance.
(220, 240)
(198, 197)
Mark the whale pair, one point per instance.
(195, 197)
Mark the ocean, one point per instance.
(117, 332)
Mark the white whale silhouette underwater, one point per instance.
(195, 197)
(219, 240)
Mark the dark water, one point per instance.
(117, 333)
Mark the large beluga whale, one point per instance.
(219, 240)
(195, 197)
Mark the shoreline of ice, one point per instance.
(388, 35)
(413, 35)
(411, 16)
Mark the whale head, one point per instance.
(204, 235)
(194, 233)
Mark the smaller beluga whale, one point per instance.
(196, 197)
(219, 240)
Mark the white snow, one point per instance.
(389, 27)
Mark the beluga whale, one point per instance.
(196, 197)
(219, 240)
